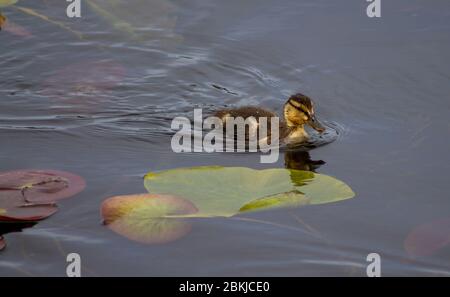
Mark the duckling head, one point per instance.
(299, 110)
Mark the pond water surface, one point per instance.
(101, 106)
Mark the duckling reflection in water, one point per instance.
(298, 111)
(301, 160)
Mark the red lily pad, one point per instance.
(427, 239)
(10, 199)
(14, 208)
(28, 213)
(41, 186)
(29, 195)
(146, 218)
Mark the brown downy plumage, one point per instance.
(298, 111)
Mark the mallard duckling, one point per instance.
(298, 111)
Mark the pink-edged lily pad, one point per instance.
(148, 218)
(427, 239)
(14, 208)
(30, 195)
(42, 186)
(28, 213)
(10, 199)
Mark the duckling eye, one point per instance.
(300, 107)
(309, 115)
(305, 111)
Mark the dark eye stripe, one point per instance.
(298, 108)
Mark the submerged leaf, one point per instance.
(36, 14)
(117, 23)
(83, 83)
(139, 20)
(2, 243)
(4, 3)
(145, 217)
(427, 239)
(225, 191)
(15, 29)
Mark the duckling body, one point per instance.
(298, 111)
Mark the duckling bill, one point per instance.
(298, 111)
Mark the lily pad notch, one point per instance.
(31, 195)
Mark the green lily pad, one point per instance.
(213, 191)
(4, 3)
(227, 191)
(289, 199)
(141, 217)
